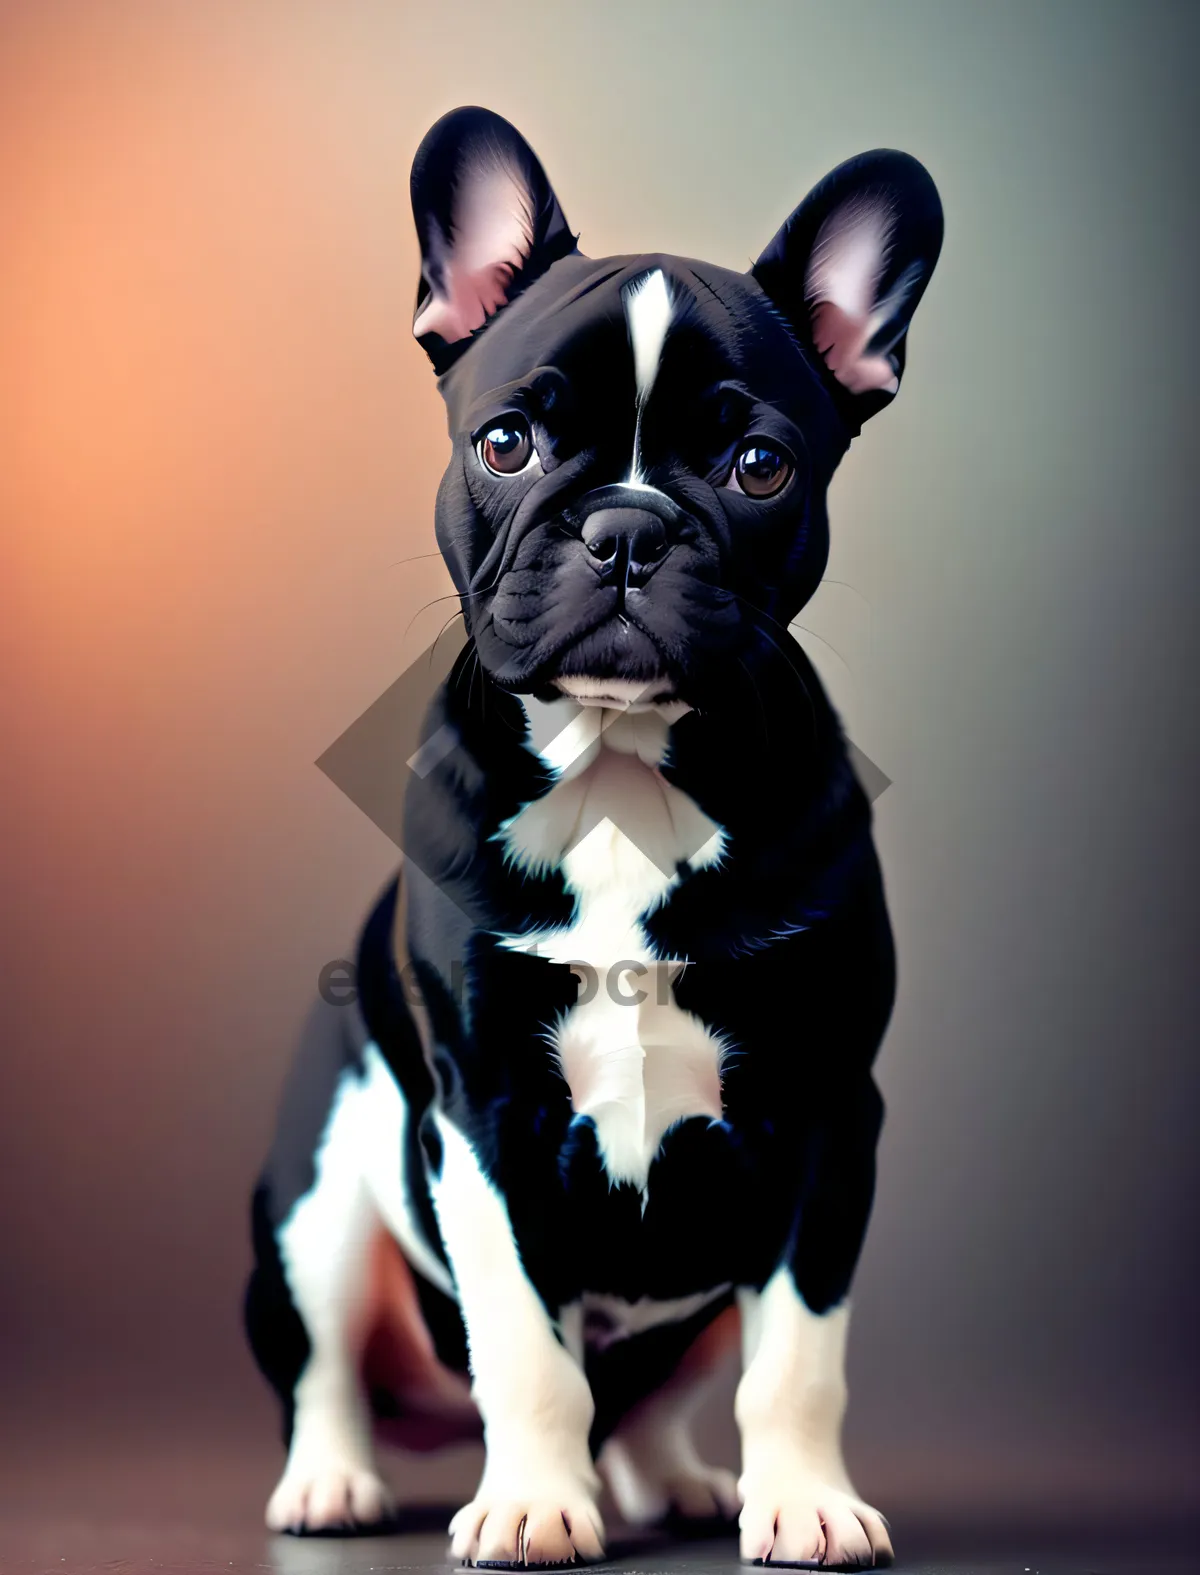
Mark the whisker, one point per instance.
(452, 597)
(762, 611)
(799, 677)
(787, 628)
(796, 673)
(440, 633)
(824, 642)
(846, 585)
(416, 557)
(460, 596)
(471, 680)
(483, 681)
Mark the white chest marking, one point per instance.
(635, 1062)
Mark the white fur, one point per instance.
(648, 314)
(842, 291)
(535, 1401)
(637, 1069)
(330, 1476)
(799, 1503)
(381, 1129)
(849, 255)
(618, 829)
(625, 694)
(570, 1329)
(623, 1318)
(794, 1380)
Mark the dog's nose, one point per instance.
(629, 540)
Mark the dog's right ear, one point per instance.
(488, 223)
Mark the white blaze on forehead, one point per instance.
(648, 313)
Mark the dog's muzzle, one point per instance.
(628, 529)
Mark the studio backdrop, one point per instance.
(220, 447)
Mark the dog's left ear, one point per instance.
(849, 267)
(488, 223)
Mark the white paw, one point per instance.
(332, 1497)
(646, 1493)
(553, 1525)
(808, 1524)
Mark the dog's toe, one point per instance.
(516, 1533)
(333, 1497)
(813, 1526)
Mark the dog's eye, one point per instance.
(760, 472)
(507, 447)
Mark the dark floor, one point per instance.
(134, 1499)
(98, 1546)
(81, 1548)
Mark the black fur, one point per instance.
(788, 948)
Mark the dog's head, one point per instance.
(635, 503)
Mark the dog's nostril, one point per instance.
(602, 547)
(649, 541)
(636, 533)
(603, 533)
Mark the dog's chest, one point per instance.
(634, 1061)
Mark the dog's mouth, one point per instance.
(619, 694)
(553, 626)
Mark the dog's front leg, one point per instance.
(536, 1501)
(799, 1506)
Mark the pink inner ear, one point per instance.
(493, 235)
(470, 300)
(841, 287)
(842, 339)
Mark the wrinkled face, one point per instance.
(635, 504)
(637, 489)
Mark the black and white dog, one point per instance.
(606, 1098)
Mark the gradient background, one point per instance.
(219, 443)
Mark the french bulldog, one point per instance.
(605, 1108)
